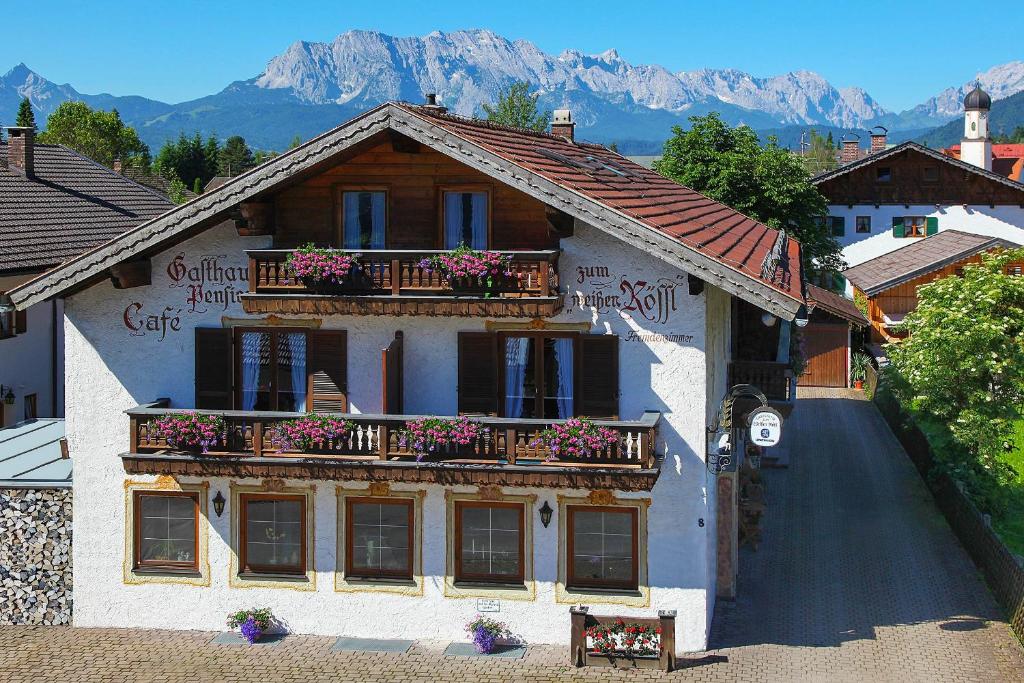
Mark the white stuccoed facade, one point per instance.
(673, 357)
(1002, 221)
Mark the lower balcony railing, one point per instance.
(505, 444)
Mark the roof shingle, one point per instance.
(69, 205)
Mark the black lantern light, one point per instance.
(545, 514)
(9, 396)
(218, 503)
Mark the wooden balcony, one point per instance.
(775, 379)
(393, 283)
(373, 450)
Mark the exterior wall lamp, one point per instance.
(218, 503)
(545, 514)
(9, 396)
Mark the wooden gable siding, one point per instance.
(908, 185)
(902, 299)
(308, 212)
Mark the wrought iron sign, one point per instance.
(764, 423)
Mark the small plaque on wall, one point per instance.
(488, 605)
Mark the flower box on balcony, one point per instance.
(311, 434)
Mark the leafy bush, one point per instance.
(962, 368)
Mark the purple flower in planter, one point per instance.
(251, 631)
(483, 640)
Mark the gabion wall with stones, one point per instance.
(35, 556)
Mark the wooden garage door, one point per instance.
(826, 355)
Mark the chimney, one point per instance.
(118, 166)
(879, 140)
(562, 124)
(21, 149)
(850, 151)
(432, 104)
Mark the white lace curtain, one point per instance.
(465, 219)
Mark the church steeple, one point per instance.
(976, 148)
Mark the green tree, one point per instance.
(820, 155)
(296, 141)
(518, 108)
(189, 158)
(766, 182)
(963, 365)
(26, 117)
(97, 134)
(234, 157)
(177, 191)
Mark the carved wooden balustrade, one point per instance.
(379, 438)
(773, 378)
(398, 272)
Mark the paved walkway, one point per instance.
(858, 579)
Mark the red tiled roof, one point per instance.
(1007, 159)
(597, 173)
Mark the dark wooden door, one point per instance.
(392, 385)
(826, 355)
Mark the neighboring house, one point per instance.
(890, 282)
(54, 204)
(35, 524)
(627, 294)
(829, 338)
(154, 181)
(1007, 159)
(900, 194)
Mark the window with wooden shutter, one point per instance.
(392, 402)
(897, 226)
(597, 372)
(21, 322)
(931, 225)
(478, 373)
(214, 364)
(328, 371)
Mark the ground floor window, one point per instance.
(166, 530)
(489, 542)
(602, 547)
(273, 539)
(379, 538)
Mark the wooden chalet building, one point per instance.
(622, 307)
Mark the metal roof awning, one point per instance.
(32, 455)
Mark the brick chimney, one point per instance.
(562, 124)
(118, 166)
(850, 151)
(432, 104)
(879, 140)
(21, 149)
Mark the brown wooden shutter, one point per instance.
(20, 322)
(391, 384)
(214, 368)
(328, 371)
(478, 373)
(597, 373)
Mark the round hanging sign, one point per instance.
(765, 427)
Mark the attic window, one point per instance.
(931, 174)
(883, 174)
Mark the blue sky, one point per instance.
(900, 52)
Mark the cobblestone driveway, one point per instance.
(858, 579)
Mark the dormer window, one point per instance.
(466, 218)
(931, 174)
(883, 174)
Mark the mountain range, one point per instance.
(313, 86)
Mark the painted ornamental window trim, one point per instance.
(461, 576)
(152, 574)
(366, 574)
(575, 582)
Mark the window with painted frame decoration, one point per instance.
(602, 547)
(166, 531)
(465, 217)
(364, 217)
(379, 538)
(273, 534)
(489, 542)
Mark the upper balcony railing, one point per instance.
(400, 273)
(249, 436)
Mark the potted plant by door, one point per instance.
(859, 363)
(488, 634)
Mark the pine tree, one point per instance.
(516, 107)
(26, 117)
